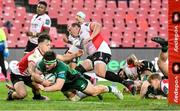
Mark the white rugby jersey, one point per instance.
(98, 43)
(38, 24)
(164, 86)
(75, 41)
(21, 68)
(131, 71)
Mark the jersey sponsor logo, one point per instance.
(47, 22)
(83, 86)
(61, 75)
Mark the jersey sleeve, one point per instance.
(61, 75)
(47, 22)
(32, 58)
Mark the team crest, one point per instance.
(47, 22)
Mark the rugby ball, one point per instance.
(51, 78)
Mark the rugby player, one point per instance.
(40, 24)
(68, 79)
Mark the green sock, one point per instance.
(110, 89)
(164, 49)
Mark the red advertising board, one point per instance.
(174, 51)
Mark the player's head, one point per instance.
(44, 43)
(154, 80)
(122, 74)
(80, 17)
(41, 7)
(50, 60)
(74, 29)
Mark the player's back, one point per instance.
(23, 63)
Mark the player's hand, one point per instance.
(79, 53)
(29, 33)
(33, 34)
(85, 41)
(138, 64)
(41, 87)
(65, 39)
(46, 83)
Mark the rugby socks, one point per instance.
(113, 77)
(109, 89)
(81, 69)
(164, 49)
(37, 95)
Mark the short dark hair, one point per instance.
(43, 3)
(154, 76)
(75, 24)
(43, 37)
(49, 56)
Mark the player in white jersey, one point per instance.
(136, 71)
(99, 53)
(24, 72)
(74, 43)
(40, 24)
(158, 83)
(162, 63)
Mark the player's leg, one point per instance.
(144, 89)
(35, 89)
(85, 66)
(100, 70)
(19, 91)
(162, 63)
(99, 89)
(2, 65)
(72, 95)
(163, 56)
(83, 85)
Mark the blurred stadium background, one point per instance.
(126, 23)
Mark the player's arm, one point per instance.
(35, 34)
(144, 89)
(45, 31)
(68, 57)
(35, 74)
(96, 29)
(46, 28)
(56, 87)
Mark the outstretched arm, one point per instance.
(96, 29)
(68, 57)
(56, 87)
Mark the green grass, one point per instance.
(58, 102)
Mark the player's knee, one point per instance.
(22, 94)
(94, 92)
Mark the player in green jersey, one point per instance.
(69, 79)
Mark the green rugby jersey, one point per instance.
(61, 70)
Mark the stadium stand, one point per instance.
(125, 26)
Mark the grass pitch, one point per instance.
(59, 102)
